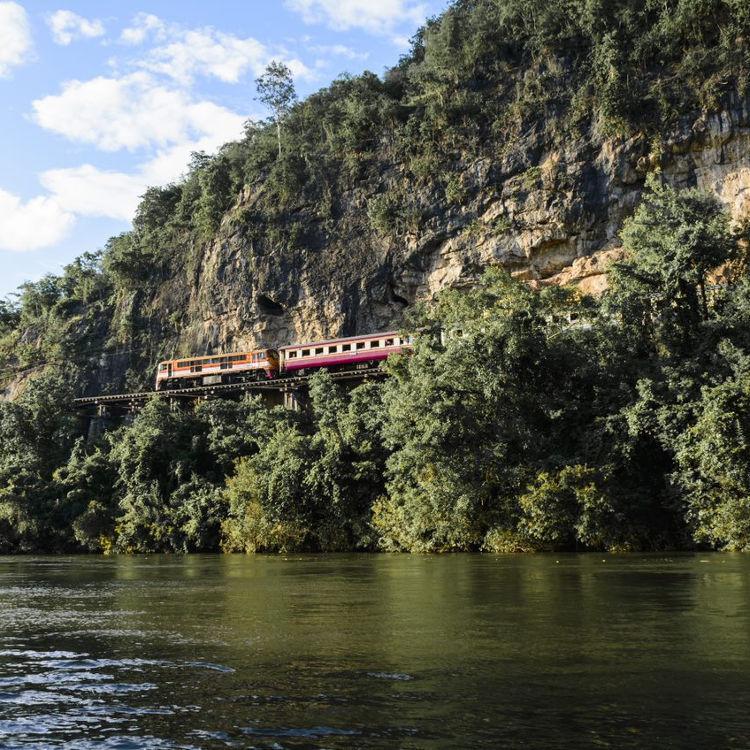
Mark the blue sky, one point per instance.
(99, 100)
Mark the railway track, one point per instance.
(131, 401)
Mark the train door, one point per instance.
(169, 370)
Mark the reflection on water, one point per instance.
(375, 652)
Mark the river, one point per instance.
(375, 651)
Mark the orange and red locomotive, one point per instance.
(225, 368)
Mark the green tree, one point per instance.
(673, 241)
(471, 413)
(312, 482)
(155, 458)
(276, 91)
(37, 432)
(85, 489)
(270, 505)
(713, 459)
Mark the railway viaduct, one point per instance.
(289, 391)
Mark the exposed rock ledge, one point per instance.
(589, 275)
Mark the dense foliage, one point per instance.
(522, 420)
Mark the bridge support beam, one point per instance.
(296, 399)
(98, 423)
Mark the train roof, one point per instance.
(324, 342)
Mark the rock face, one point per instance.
(550, 215)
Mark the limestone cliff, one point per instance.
(548, 214)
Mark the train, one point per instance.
(352, 353)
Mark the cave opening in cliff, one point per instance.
(268, 306)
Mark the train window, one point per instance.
(215, 360)
(374, 344)
(346, 347)
(319, 350)
(237, 358)
(226, 365)
(389, 342)
(360, 345)
(332, 349)
(291, 355)
(305, 352)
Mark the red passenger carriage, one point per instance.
(342, 354)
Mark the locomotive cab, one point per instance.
(163, 374)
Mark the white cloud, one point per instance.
(67, 26)
(183, 54)
(89, 191)
(15, 37)
(374, 16)
(151, 111)
(144, 25)
(207, 52)
(37, 223)
(132, 112)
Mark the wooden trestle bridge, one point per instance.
(289, 391)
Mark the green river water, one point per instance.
(375, 651)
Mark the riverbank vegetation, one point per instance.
(524, 420)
